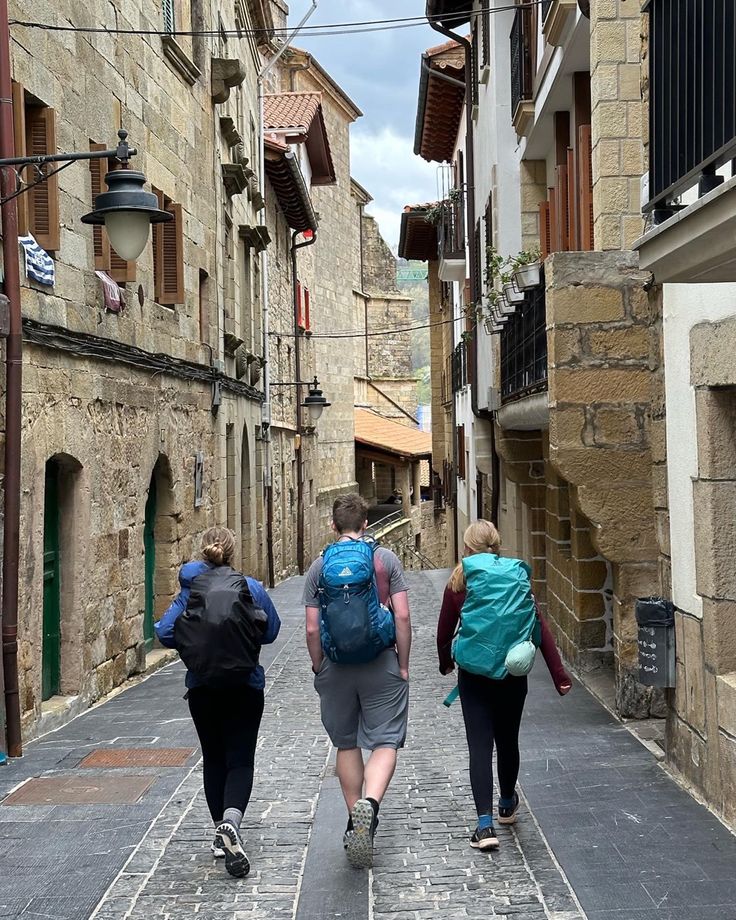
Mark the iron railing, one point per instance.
(459, 367)
(524, 348)
(521, 60)
(451, 229)
(387, 521)
(692, 95)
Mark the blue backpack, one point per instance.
(355, 627)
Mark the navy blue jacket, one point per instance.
(165, 626)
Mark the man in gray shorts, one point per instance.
(363, 705)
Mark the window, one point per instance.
(461, 451)
(35, 135)
(169, 15)
(485, 25)
(106, 259)
(168, 254)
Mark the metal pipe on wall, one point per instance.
(13, 404)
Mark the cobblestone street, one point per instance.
(599, 812)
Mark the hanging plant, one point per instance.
(527, 267)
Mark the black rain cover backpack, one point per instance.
(219, 635)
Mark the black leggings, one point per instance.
(492, 711)
(227, 722)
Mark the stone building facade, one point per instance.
(140, 427)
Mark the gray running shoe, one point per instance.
(359, 844)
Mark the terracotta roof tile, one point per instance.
(291, 112)
(391, 437)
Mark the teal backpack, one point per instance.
(498, 614)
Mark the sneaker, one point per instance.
(359, 843)
(484, 839)
(508, 815)
(236, 862)
(216, 847)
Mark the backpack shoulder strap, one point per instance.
(383, 582)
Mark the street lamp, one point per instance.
(315, 402)
(125, 209)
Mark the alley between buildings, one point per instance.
(605, 832)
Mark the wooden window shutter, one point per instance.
(554, 242)
(572, 221)
(101, 243)
(19, 132)
(157, 244)
(585, 188)
(307, 318)
(172, 258)
(563, 214)
(461, 451)
(545, 231)
(44, 198)
(300, 307)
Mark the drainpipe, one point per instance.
(470, 183)
(265, 70)
(295, 247)
(13, 408)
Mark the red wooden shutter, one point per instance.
(585, 188)
(545, 231)
(572, 222)
(172, 265)
(19, 133)
(44, 198)
(299, 307)
(307, 320)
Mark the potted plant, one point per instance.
(510, 290)
(527, 267)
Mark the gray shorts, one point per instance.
(364, 705)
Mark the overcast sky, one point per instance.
(380, 72)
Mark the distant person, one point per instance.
(359, 637)
(218, 623)
(490, 597)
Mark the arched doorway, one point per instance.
(61, 619)
(160, 542)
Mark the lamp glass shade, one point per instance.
(128, 232)
(315, 411)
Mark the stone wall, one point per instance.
(701, 728)
(616, 122)
(533, 182)
(600, 334)
(379, 263)
(108, 432)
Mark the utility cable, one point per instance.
(362, 335)
(336, 28)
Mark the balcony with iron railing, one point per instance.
(460, 367)
(451, 239)
(522, 78)
(692, 141)
(524, 348)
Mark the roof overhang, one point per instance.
(287, 181)
(440, 104)
(376, 434)
(297, 118)
(418, 239)
(449, 13)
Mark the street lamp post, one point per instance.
(127, 212)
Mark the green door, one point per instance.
(149, 549)
(51, 647)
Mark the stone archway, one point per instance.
(160, 542)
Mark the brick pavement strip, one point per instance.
(424, 867)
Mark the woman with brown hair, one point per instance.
(492, 705)
(229, 615)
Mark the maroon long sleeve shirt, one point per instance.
(452, 605)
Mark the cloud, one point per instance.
(384, 163)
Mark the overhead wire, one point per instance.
(361, 335)
(356, 27)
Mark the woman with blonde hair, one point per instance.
(490, 597)
(218, 623)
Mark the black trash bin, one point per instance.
(655, 618)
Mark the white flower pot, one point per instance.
(528, 276)
(512, 295)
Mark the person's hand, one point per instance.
(448, 670)
(404, 673)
